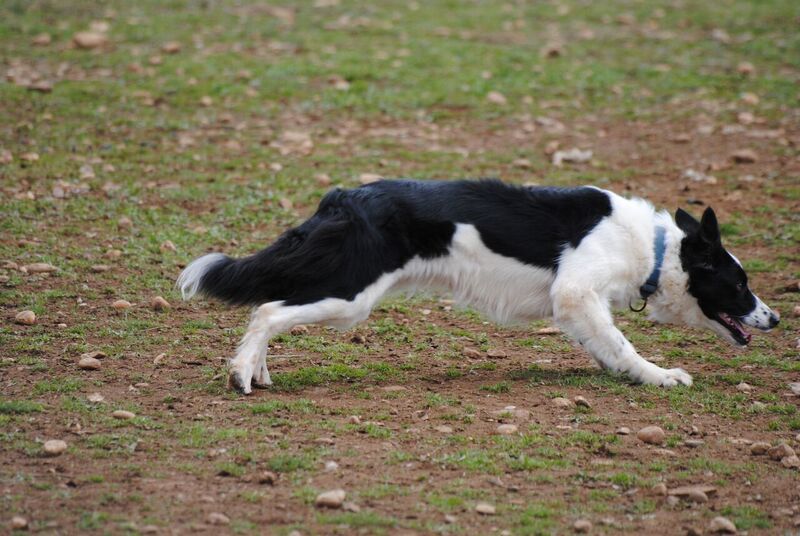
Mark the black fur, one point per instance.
(717, 281)
(357, 235)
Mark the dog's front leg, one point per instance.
(585, 317)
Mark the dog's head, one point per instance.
(718, 282)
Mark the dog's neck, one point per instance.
(672, 302)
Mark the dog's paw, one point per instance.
(236, 381)
(676, 376)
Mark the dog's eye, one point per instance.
(739, 287)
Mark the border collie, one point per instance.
(514, 253)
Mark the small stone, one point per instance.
(267, 478)
(286, 203)
(206, 101)
(781, 451)
(794, 387)
(26, 318)
(121, 305)
(673, 501)
(299, 330)
(55, 447)
(758, 406)
(89, 40)
(123, 415)
(581, 401)
(623, 430)
(40, 268)
(89, 363)
(471, 353)
(749, 98)
(96, 398)
(796, 311)
(660, 489)
(652, 435)
(485, 509)
(575, 156)
(759, 448)
(522, 163)
(100, 268)
(159, 359)
(331, 466)
(791, 462)
(745, 68)
(496, 353)
(551, 330)
(694, 443)
(744, 387)
(697, 496)
(171, 47)
(149, 529)
(124, 222)
(744, 156)
(507, 429)
(167, 245)
(29, 157)
(688, 492)
(561, 402)
(444, 429)
(323, 179)
(218, 518)
(331, 499)
(351, 507)
(721, 525)
(582, 526)
(450, 519)
(96, 354)
(159, 304)
(495, 97)
(354, 419)
(19, 523)
(41, 40)
(368, 178)
(113, 254)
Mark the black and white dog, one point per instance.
(513, 253)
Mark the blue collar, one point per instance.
(659, 247)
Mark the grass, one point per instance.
(126, 133)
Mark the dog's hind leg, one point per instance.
(249, 366)
(581, 313)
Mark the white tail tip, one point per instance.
(189, 280)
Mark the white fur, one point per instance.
(760, 316)
(189, 280)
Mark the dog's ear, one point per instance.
(686, 222)
(709, 228)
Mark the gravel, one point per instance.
(652, 435)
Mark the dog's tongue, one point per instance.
(736, 325)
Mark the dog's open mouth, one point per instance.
(735, 327)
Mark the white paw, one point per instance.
(261, 378)
(673, 377)
(240, 380)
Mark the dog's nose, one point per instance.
(773, 320)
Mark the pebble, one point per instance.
(495, 97)
(125, 222)
(299, 329)
(496, 353)
(759, 448)
(744, 387)
(744, 156)
(218, 518)
(121, 305)
(96, 398)
(548, 331)
(113, 254)
(696, 496)
(653, 435)
(40, 268)
(796, 311)
(471, 353)
(89, 363)
(485, 508)
(450, 519)
(122, 414)
(561, 402)
(791, 462)
(268, 478)
(167, 245)
(581, 401)
(159, 304)
(368, 178)
(694, 443)
(693, 491)
(26, 318)
(331, 466)
(55, 447)
(331, 499)
(781, 451)
(722, 525)
(351, 507)
(582, 526)
(354, 419)
(507, 429)
(745, 68)
(672, 500)
(660, 489)
(96, 354)
(159, 359)
(171, 47)
(623, 430)
(100, 268)
(794, 387)
(19, 523)
(89, 40)
(323, 179)
(444, 429)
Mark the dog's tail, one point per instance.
(208, 275)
